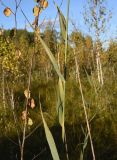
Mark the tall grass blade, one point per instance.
(52, 58)
(60, 105)
(84, 146)
(62, 22)
(61, 84)
(81, 155)
(85, 142)
(50, 139)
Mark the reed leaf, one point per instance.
(52, 58)
(84, 146)
(62, 22)
(85, 142)
(81, 155)
(50, 139)
(60, 105)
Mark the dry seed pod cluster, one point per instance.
(42, 4)
(25, 117)
(31, 104)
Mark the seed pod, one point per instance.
(27, 93)
(32, 103)
(45, 4)
(30, 122)
(24, 115)
(7, 12)
(36, 11)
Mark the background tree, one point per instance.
(97, 19)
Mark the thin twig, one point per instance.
(12, 140)
(39, 154)
(27, 136)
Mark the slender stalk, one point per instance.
(65, 67)
(26, 109)
(3, 91)
(84, 106)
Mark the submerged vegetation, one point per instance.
(58, 91)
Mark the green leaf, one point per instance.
(84, 146)
(50, 139)
(81, 155)
(61, 90)
(62, 22)
(52, 58)
(60, 105)
(88, 77)
(85, 142)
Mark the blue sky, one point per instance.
(76, 9)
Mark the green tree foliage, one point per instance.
(8, 56)
(83, 46)
(50, 37)
(112, 52)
